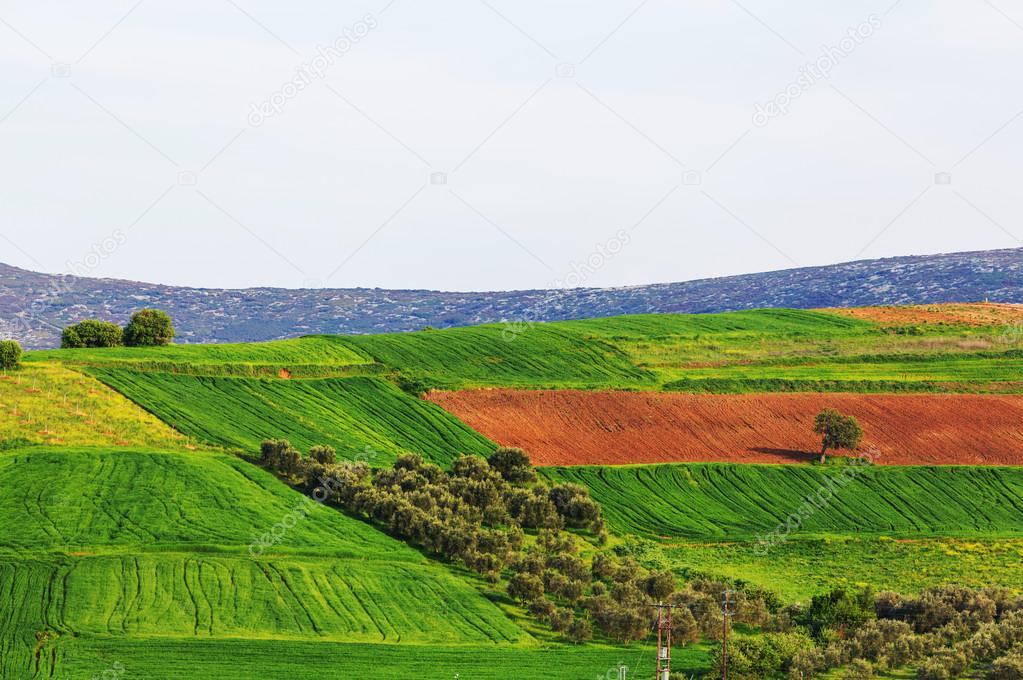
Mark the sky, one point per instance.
(502, 144)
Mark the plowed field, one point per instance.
(977, 314)
(568, 427)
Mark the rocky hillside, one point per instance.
(34, 307)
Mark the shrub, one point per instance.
(525, 587)
(416, 385)
(580, 630)
(840, 608)
(858, 670)
(279, 455)
(659, 585)
(10, 354)
(325, 455)
(92, 333)
(513, 464)
(1008, 667)
(148, 328)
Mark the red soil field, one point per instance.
(970, 314)
(569, 427)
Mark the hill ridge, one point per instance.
(34, 306)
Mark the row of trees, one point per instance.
(496, 517)
(146, 328)
(943, 633)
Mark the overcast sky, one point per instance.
(500, 144)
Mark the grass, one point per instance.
(313, 356)
(546, 355)
(762, 385)
(148, 547)
(50, 404)
(358, 416)
(772, 349)
(243, 659)
(93, 499)
(714, 501)
(802, 567)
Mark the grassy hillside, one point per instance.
(358, 416)
(803, 567)
(309, 356)
(717, 501)
(768, 350)
(547, 354)
(154, 546)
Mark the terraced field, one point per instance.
(713, 502)
(569, 427)
(358, 416)
(315, 356)
(545, 355)
(128, 542)
(143, 546)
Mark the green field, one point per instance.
(757, 350)
(309, 356)
(244, 659)
(131, 536)
(802, 567)
(358, 416)
(50, 404)
(546, 355)
(894, 528)
(719, 501)
(141, 546)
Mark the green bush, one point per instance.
(92, 333)
(10, 354)
(149, 328)
(1008, 667)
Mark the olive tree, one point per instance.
(149, 327)
(837, 431)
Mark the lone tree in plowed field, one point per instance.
(837, 431)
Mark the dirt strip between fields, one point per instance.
(569, 427)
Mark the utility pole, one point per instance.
(663, 640)
(726, 611)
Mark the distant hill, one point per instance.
(34, 307)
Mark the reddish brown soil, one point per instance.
(971, 314)
(567, 427)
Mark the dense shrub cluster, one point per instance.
(943, 633)
(147, 327)
(92, 333)
(495, 517)
(474, 513)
